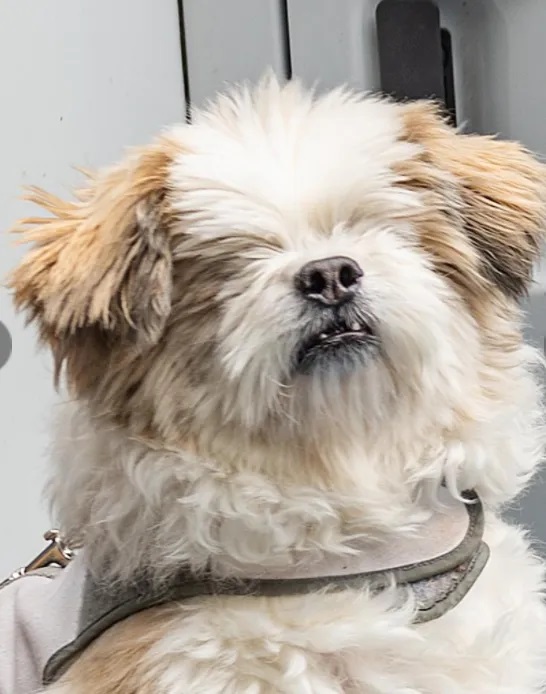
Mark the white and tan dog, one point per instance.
(285, 327)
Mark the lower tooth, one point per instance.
(355, 327)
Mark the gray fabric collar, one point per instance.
(436, 585)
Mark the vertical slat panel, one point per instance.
(334, 42)
(231, 41)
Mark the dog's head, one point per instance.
(289, 268)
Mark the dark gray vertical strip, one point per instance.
(287, 51)
(184, 58)
(410, 49)
(5, 345)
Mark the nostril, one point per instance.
(316, 283)
(349, 275)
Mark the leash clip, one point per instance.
(57, 552)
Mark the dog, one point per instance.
(291, 337)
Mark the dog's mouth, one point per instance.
(340, 340)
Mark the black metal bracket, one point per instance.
(415, 52)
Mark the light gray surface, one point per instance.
(79, 81)
(333, 43)
(231, 41)
(531, 508)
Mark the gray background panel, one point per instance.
(80, 81)
(333, 43)
(231, 41)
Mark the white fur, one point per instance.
(280, 181)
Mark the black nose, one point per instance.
(330, 281)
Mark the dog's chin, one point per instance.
(339, 346)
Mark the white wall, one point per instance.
(79, 81)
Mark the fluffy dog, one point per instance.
(285, 326)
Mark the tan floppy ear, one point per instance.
(103, 261)
(496, 188)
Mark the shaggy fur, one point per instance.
(166, 290)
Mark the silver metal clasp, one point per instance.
(57, 552)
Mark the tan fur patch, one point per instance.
(494, 191)
(482, 222)
(97, 672)
(100, 272)
(101, 262)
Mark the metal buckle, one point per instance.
(57, 552)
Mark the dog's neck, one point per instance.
(135, 506)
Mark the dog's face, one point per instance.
(292, 268)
